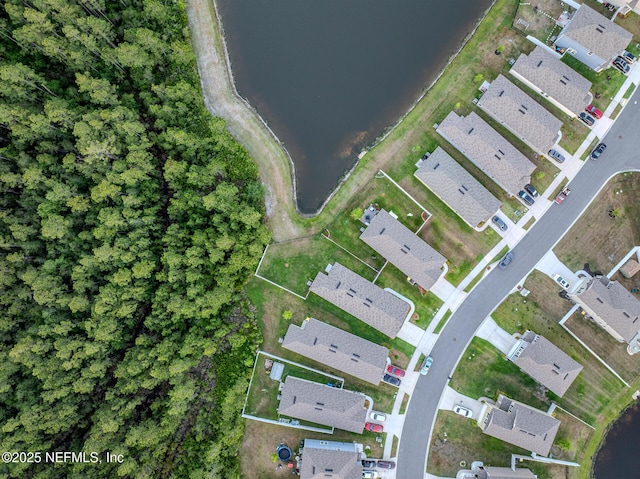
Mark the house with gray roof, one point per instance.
(330, 459)
(322, 404)
(613, 308)
(554, 80)
(361, 298)
(592, 38)
(488, 150)
(544, 362)
(506, 473)
(521, 115)
(337, 349)
(519, 424)
(457, 188)
(405, 250)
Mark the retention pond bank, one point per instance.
(619, 455)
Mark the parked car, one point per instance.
(370, 426)
(369, 474)
(594, 111)
(426, 365)
(462, 411)
(386, 464)
(378, 416)
(389, 379)
(588, 119)
(526, 198)
(499, 223)
(366, 463)
(561, 281)
(598, 150)
(562, 195)
(621, 64)
(556, 156)
(508, 258)
(391, 369)
(531, 190)
(628, 57)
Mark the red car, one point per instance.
(562, 195)
(594, 111)
(374, 427)
(396, 371)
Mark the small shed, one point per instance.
(276, 371)
(630, 268)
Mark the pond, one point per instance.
(619, 455)
(329, 76)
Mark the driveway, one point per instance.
(550, 265)
(497, 336)
(452, 398)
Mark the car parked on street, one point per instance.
(378, 416)
(370, 426)
(369, 474)
(526, 198)
(559, 157)
(621, 64)
(366, 463)
(389, 379)
(396, 371)
(386, 464)
(561, 281)
(598, 150)
(462, 411)
(426, 365)
(499, 223)
(562, 195)
(506, 260)
(597, 114)
(531, 190)
(588, 119)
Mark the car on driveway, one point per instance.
(499, 223)
(426, 365)
(559, 157)
(462, 411)
(389, 379)
(366, 463)
(597, 114)
(386, 464)
(378, 416)
(396, 371)
(562, 195)
(369, 474)
(508, 258)
(561, 281)
(531, 190)
(588, 119)
(628, 57)
(621, 64)
(526, 198)
(598, 150)
(374, 427)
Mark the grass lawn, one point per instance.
(571, 438)
(443, 322)
(536, 18)
(605, 84)
(292, 263)
(405, 402)
(603, 246)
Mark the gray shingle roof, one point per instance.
(545, 362)
(508, 473)
(521, 425)
(329, 459)
(338, 349)
(361, 298)
(555, 79)
(323, 404)
(596, 33)
(614, 305)
(404, 249)
(457, 188)
(488, 150)
(521, 114)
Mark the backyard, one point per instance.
(537, 18)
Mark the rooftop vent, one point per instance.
(524, 107)
(461, 192)
(501, 93)
(563, 82)
(521, 111)
(338, 285)
(501, 152)
(382, 230)
(539, 63)
(598, 30)
(464, 188)
(471, 131)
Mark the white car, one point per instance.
(561, 281)
(463, 411)
(426, 365)
(369, 474)
(378, 416)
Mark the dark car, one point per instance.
(386, 464)
(396, 371)
(628, 57)
(556, 156)
(598, 150)
(588, 119)
(531, 190)
(621, 65)
(370, 426)
(508, 258)
(526, 198)
(594, 111)
(499, 223)
(389, 379)
(366, 463)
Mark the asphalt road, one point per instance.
(622, 154)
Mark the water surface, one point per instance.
(329, 76)
(619, 456)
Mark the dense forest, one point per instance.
(129, 222)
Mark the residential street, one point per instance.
(621, 155)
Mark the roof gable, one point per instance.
(330, 460)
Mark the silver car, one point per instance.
(559, 157)
(426, 365)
